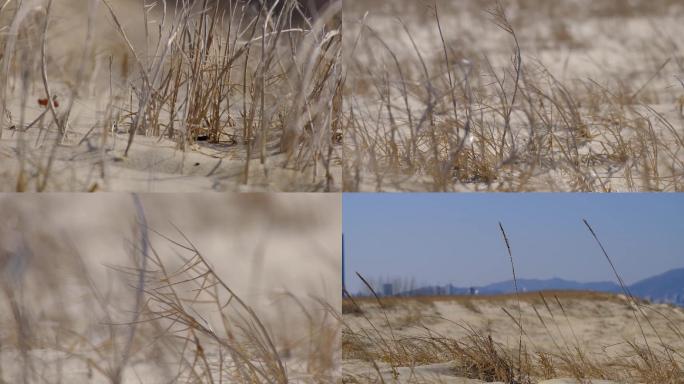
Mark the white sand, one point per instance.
(600, 326)
(576, 43)
(271, 250)
(153, 164)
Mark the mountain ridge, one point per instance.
(667, 287)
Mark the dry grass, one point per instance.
(536, 336)
(166, 315)
(250, 84)
(481, 355)
(444, 96)
(528, 297)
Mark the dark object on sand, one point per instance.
(309, 8)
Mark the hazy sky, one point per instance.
(455, 238)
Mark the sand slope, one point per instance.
(601, 326)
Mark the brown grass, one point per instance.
(245, 81)
(530, 297)
(370, 336)
(470, 113)
(167, 315)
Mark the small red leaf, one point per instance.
(44, 102)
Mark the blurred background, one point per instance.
(69, 265)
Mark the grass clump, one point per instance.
(165, 315)
(492, 109)
(515, 338)
(245, 83)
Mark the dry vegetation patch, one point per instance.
(584, 335)
(513, 96)
(81, 304)
(526, 337)
(198, 95)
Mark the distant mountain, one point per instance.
(532, 285)
(667, 287)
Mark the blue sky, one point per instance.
(454, 238)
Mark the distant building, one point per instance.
(387, 289)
